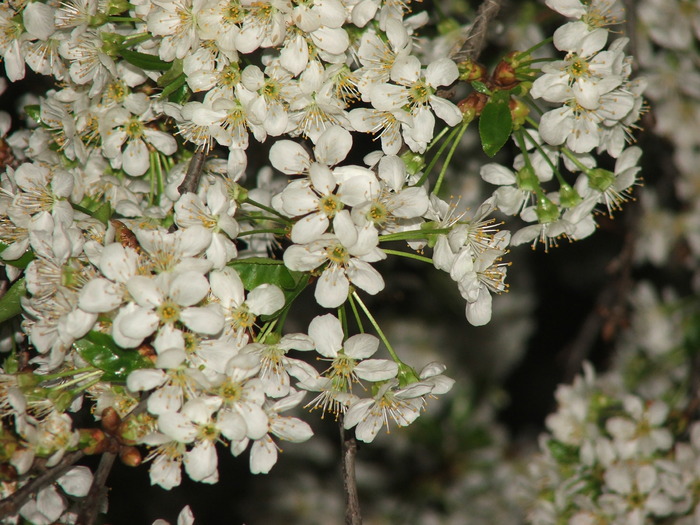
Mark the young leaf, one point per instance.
(22, 262)
(144, 61)
(10, 303)
(259, 270)
(101, 351)
(495, 126)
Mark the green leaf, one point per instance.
(173, 86)
(22, 262)
(10, 303)
(102, 352)
(495, 125)
(260, 270)
(144, 61)
(171, 74)
(103, 213)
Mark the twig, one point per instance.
(194, 172)
(475, 41)
(89, 508)
(352, 501)
(11, 505)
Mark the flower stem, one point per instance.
(358, 319)
(446, 164)
(409, 255)
(380, 333)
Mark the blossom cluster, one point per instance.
(596, 103)
(154, 275)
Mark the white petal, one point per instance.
(327, 334)
(361, 346)
(205, 320)
(201, 462)
(332, 287)
(135, 159)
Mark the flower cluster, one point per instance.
(611, 457)
(154, 274)
(596, 104)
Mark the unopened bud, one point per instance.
(472, 106)
(504, 76)
(130, 456)
(110, 420)
(518, 112)
(471, 71)
(92, 441)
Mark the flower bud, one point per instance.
(518, 112)
(130, 456)
(92, 441)
(504, 76)
(110, 420)
(472, 106)
(470, 71)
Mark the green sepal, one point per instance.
(481, 87)
(171, 74)
(102, 352)
(173, 90)
(33, 111)
(406, 375)
(10, 303)
(103, 213)
(144, 61)
(495, 124)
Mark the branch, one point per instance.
(194, 172)
(475, 41)
(11, 505)
(89, 508)
(352, 501)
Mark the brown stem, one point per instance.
(90, 507)
(352, 501)
(194, 172)
(11, 505)
(475, 41)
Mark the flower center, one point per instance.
(338, 254)
(134, 128)
(330, 205)
(168, 312)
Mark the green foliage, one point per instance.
(101, 351)
(495, 123)
(10, 303)
(144, 61)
